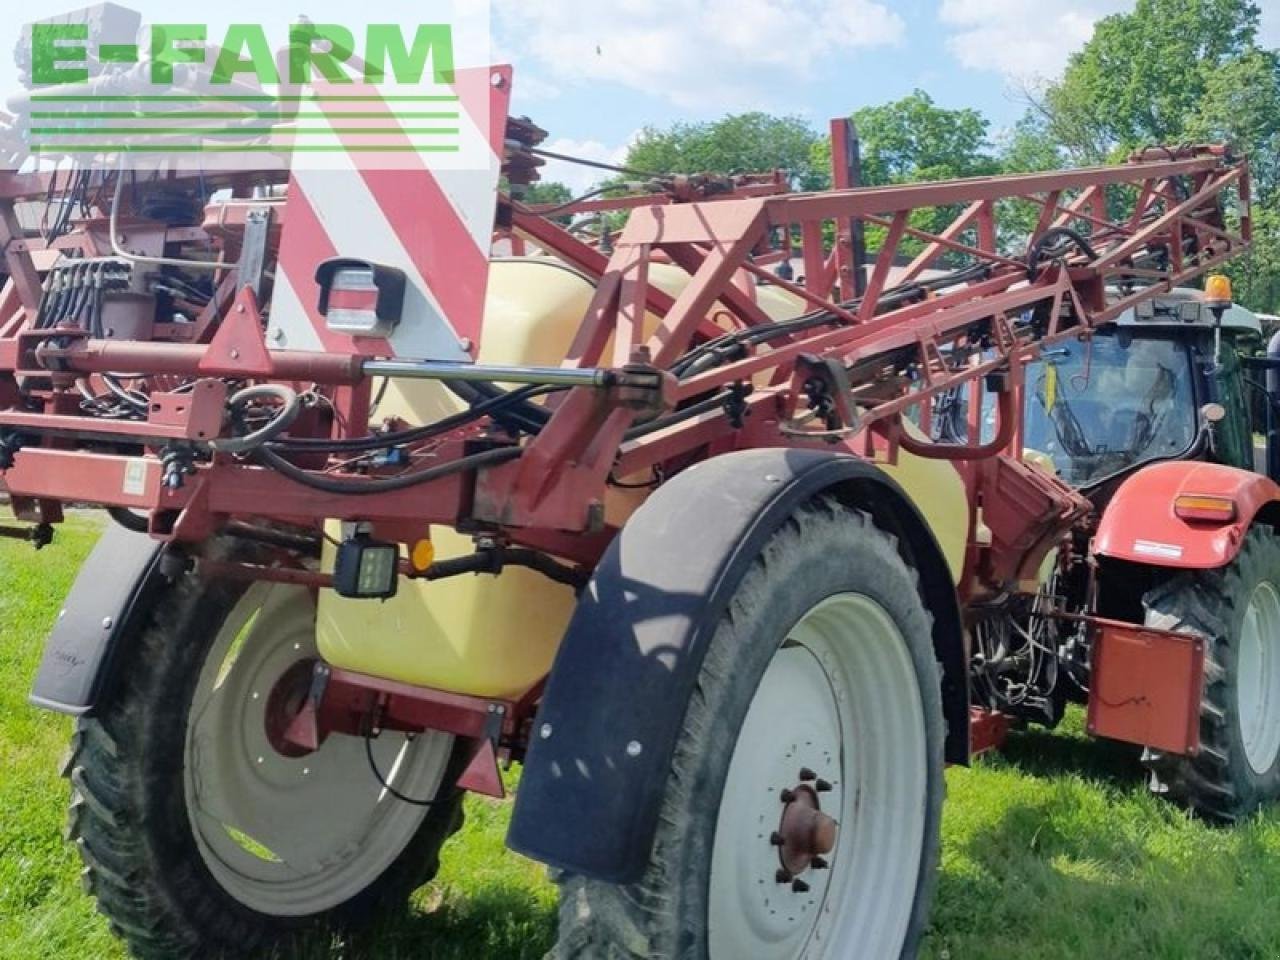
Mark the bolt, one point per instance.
(822, 786)
(235, 354)
(255, 694)
(806, 775)
(783, 875)
(799, 886)
(787, 796)
(544, 731)
(775, 839)
(261, 759)
(306, 771)
(634, 748)
(107, 623)
(239, 308)
(278, 334)
(819, 863)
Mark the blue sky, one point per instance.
(593, 72)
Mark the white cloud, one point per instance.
(575, 176)
(1022, 39)
(712, 54)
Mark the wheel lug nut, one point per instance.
(819, 863)
(775, 839)
(799, 886)
(806, 775)
(783, 875)
(822, 786)
(787, 796)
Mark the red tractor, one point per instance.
(731, 540)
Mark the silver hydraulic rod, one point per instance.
(544, 376)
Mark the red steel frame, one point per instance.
(1154, 223)
(550, 490)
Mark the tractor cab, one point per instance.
(1136, 391)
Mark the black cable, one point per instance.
(270, 458)
(414, 434)
(1038, 248)
(520, 417)
(582, 161)
(373, 765)
(551, 211)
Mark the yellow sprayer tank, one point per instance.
(496, 636)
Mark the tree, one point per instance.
(1143, 75)
(914, 139)
(739, 143)
(1174, 71)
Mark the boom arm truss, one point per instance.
(945, 303)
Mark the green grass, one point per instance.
(1053, 850)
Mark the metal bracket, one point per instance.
(253, 252)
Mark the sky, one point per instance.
(594, 72)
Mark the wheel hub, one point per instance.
(805, 834)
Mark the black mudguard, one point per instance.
(110, 590)
(602, 743)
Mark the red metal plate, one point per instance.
(1146, 687)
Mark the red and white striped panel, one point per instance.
(432, 220)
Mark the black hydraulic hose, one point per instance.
(521, 417)
(1042, 242)
(326, 484)
(414, 434)
(135, 522)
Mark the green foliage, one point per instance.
(1143, 76)
(1054, 850)
(738, 143)
(914, 139)
(1169, 72)
(549, 191)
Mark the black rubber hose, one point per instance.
(135, 522)
(1037, 249)
(328, 484)
(413, 434)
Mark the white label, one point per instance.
(1169, 551)
(135, 478)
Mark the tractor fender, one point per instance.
(114, 587)
(1139, 524)
(602, 743)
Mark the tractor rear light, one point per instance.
(360, 298)
(1201, 507)
(366, 569)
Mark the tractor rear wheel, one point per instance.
(802, 807)
(1237, 609)
(202, 839)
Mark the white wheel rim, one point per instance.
(291, 836)
(1258, 678)
(841, 698)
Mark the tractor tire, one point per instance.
(1237, 609)
(819, 690)
(198, 838)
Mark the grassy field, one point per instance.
(1052, 850)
